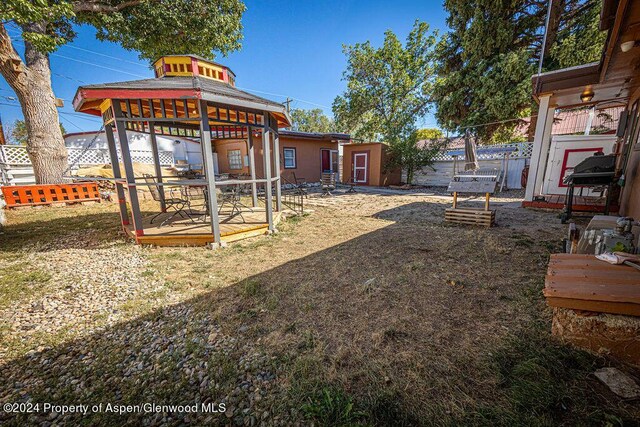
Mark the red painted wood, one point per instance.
(565, 160)
(32, 195)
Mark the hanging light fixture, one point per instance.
(587, 95)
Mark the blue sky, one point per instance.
(290, 48)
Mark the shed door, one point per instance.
(360, 163)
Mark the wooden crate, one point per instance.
(484, 218)
(34, 195)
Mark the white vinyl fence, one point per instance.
(15, 166)
(492, 159)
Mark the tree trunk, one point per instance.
(32, 84)
(557, 8)
(45, 145)
(409, 175)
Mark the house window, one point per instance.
(289, 158)
(235, 159)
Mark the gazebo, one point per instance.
(193, 97)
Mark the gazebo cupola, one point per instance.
(192, 65)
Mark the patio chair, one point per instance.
(175, 202)
(197, 203)
(328, 183)
(230, 196)
(353, 180)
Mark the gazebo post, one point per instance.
(128, 168)
(252, 166)
(266, 157)
(156, 158)
(115, 165)
(276, 166)
(209, 172)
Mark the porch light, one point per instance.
(627, 46)
(587, 95)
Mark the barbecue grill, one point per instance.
(594, 171)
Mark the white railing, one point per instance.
(16, 155)
(519, 150)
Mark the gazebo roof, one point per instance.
(88, 98)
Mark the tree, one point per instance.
(429, 133)
(151, 27)
(388, 90)
(414, 153)
(311, 121)
(485, 63)
(19, 135)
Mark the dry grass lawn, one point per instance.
(371, 310)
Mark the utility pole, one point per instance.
(3, 141)
(288, 104)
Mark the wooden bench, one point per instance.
(475, 184)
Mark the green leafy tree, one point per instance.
(485, 63)
(413, 154)
(429, 133)
(19, 134)
(151, 27)
(311, 121)
(388, 90)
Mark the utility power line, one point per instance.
(17, 39)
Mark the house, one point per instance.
(612, 81)
(366, 163)
(577, 282)
(305, 156)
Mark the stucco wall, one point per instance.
(308, 158)
(377, 157)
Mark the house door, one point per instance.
(360, 167)
(330, 160)
(326, 160)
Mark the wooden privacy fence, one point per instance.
(34, 195)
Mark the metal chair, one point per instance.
(353, 181)
(230, 196)
(328, 183)
(177, 203)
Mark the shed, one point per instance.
(366, 163)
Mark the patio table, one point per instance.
(236, 203)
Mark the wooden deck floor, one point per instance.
(184, 232)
